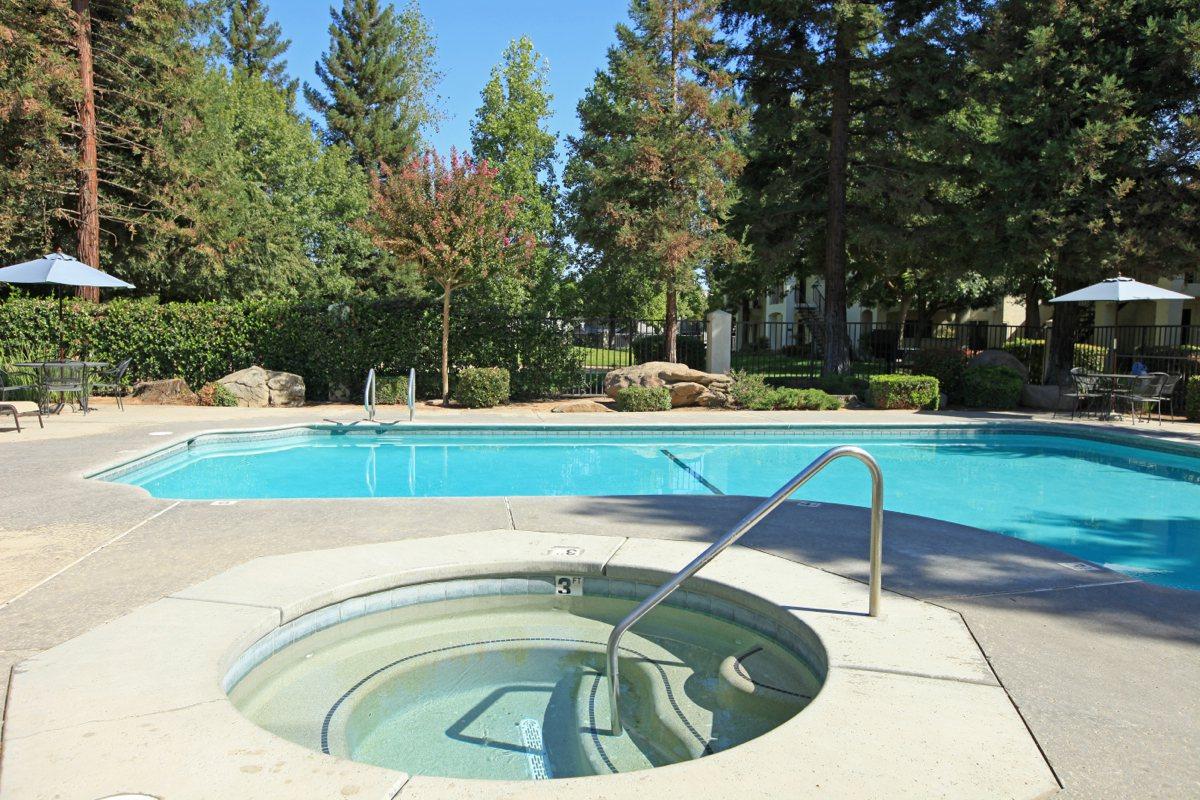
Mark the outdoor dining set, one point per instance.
(46, 387)
(1108, 395)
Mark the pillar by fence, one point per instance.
(720, 341)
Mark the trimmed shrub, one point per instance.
(1193, 398)
(216, 394)
(992, 387)
(391, 390)
(482, 387)
(805, 400)
(749, 390)
(842, 384)
(331, 345)
(689, 350)
(903, 391)
(644, 398)
(1032, 353)
(947, 365)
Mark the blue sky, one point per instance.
(471, 35)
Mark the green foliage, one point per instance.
(650, 176)
(805, 400)
(391, 390)
(216, 394)
(378, 75)
(843, 384)
(644, 398)
(689, 350)
(332, 345)
(903, 391)
(509, 132)
(1092, 357)
(1031, 352)
(482, 387)
(749, 390)
(992, 387)
(1193, 398)
(253, 45)
(945, 364)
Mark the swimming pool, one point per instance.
(1132, 508)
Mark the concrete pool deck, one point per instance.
(1103, 668)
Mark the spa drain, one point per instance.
(535, 750)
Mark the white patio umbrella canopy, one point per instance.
(62, 269)
(1117, 290)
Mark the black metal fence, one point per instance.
(603, 345)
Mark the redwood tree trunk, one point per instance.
(446, 347)
(89, 182)
(1062, 342)
(837, 350)
(671, 328)
(1033, 311)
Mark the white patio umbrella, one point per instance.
(1116, 290)
(62, 270)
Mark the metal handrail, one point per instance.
(412, 393)
(749, 521)
(369, 395)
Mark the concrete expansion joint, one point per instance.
(1040, 590)
(903, 673)
(185, 599)
(612, 555)
(101, 720)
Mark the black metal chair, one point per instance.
(65, 379)
(1084, 389)
(18, 408)
(113, 380)
(1167, 394)
(1146, 391)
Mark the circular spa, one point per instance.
(503, 678)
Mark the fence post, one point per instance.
(1047, 332)
(720, 341)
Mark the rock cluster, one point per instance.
(688, 387)
(169, 392)
(257, 387)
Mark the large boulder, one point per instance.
(256, 387)
(1000, 358)
(1044, 397)
(689, 387)
(169, 392)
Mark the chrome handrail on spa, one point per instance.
(369, 395)
(749, 521)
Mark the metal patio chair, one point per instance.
(1167, 394)
(1146, 391)
(1084, 389)
(112, 380)
(65, 379)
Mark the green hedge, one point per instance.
(482, 387)
(903, 391)
(332, 345)
(945, 364)
(391, 390)
(1031, 353)
(750, 390)
(992, 387)
(1193, 398)
(689, 350)
(644, 398)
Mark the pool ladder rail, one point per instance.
(749, 521)
(369, 396)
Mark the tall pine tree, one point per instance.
(378, 77)
(255, 46)
(509, 131)
(652, 170)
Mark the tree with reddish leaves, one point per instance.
(451, 219)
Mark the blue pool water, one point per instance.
(1130, 508)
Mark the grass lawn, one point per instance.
(604, 357)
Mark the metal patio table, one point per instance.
(86, 368)
(1112, 384)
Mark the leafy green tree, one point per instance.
(252, 44)
(509, 131)
(650, 179)
(453, 220)
(1092, 158)
(378, 76)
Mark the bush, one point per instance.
(331, 345)
(805, 400)
(482, 387)
(1193, 398)
(1091, 357)
(689, 350)
(992, 387)
(903, 391)
(842, 384)
(1032, 353)
(216, 394)
(644, 398)
(749, 390)
(391, 390)
(947, 365)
